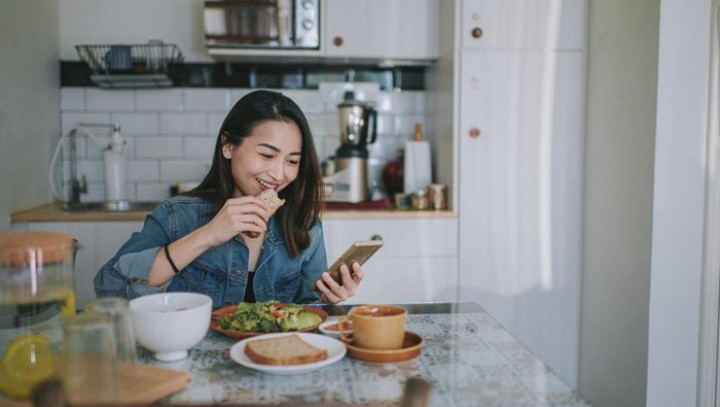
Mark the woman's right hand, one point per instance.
(237, 215)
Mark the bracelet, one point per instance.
(169, 259)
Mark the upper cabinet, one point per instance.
(523, 24)
(383, 30)
(366, 31)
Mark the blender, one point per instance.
(347, 180)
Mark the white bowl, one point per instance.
(171, 323)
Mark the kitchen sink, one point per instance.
(110, 206)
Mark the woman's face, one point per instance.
(269, 158)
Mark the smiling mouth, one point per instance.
(264, 184)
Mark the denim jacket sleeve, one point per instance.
(126, 274)
(314, 267)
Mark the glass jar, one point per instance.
(36, 271)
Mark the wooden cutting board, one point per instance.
(144, 385)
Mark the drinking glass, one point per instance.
(89, 359)
(119, 312)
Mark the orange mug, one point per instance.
(375, 326)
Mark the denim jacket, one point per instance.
(221, 272)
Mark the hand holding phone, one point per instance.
(359, 252)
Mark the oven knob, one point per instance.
(308, 24)
(308, 4)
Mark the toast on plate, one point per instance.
(284, 350)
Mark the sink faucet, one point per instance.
(79, 186)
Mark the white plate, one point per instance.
(335, 349)
(334, 334)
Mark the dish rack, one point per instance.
(131, 65)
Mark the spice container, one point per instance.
(420, 200)
(436, 193)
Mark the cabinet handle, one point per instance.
(338, 41)
(376, 237)
(476, 32)
(474, 132)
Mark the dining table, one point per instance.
(466, 357)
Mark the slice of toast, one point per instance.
(284, 350)
(272, 201)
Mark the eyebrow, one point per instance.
(272, 147)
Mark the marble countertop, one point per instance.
(468, 358)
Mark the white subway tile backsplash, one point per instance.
(407, 102)
(206, 100)
(143, 170)
(325, 124)
(158, 147)
(384, 102)
(137, 123)
(93, 170)
(306, 99)
(167, 100)
(94, 149)
(157, 191)
(199, 147)
(70, 120)
(171, 133)
(183, 170)
(385, 124)
(215, 120)
(115, 100)
(183, 123)
(405, 124)
(72, 99)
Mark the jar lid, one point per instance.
(15, 246)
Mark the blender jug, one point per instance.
(355, 120)
(35, 296)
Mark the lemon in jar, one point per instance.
(28, 360)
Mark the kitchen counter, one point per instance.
(53, 213)
(467, 357)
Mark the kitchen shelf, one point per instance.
(131, 65)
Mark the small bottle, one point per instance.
(115, 167)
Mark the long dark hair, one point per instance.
(303, 197)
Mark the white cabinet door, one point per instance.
(520, 188)
(417, 263)
(547, 24)
(98, 242)
(391, 29)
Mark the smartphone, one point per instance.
(359, 252)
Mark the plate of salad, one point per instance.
(250, 319)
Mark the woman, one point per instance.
(200, 241)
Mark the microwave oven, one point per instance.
(262, 24)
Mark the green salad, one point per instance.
(269, 316)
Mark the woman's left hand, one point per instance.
(332, 292)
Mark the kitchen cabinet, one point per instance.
(421, 269)
(381, 29)
(98, 242)
(371, 30)
(417, 263)
(519, 101)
